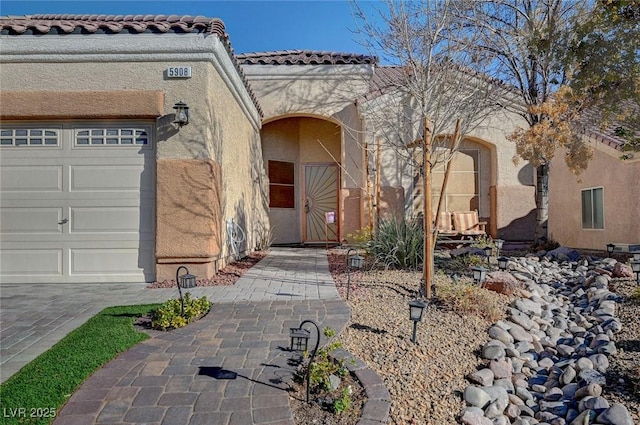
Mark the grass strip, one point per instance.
(37, 392)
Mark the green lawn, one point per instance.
(41, 388)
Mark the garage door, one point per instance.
(77, 203)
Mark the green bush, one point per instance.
(398, 243)
(360, 237)
(168, 315)
(343, 402)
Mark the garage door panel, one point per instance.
(104, 261)
(31, 261)
(108, 220)
(30, 179)
(110, 178)
(31, 220)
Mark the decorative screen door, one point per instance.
(321, 199)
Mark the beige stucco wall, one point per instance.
(223, 130)
(620, 181)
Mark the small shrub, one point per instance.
(483, 241)
(360, 237)
(323, 366)
(466, 298)
(544, 244)
(342, 403)
(398, 243)
(635, 296)
(168, 315)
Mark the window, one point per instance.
(281, 184)
(28, 137)
(112, 136)
(593, 208)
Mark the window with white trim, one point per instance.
(593, 208)
(29, 137)
(111, 137)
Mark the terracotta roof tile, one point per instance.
(45, 24)
(305, 57)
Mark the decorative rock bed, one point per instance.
(546, 363)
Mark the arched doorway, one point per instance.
(302, 157)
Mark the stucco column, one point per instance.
(189, 217)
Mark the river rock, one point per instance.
(617, 414)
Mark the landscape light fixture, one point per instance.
(479, 274)
(498, 243)
(186, 280)
(636, 256)
(635, 266)
(488, 250)
(502, 263)
(416, 310)
(610, 248)
(355, 263)
(299, 342)
(182, 113)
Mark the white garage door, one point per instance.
(77, 203)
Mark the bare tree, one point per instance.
(430, 86)
(526, 42)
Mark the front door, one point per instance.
(320, 203)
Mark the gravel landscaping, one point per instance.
(427, 381)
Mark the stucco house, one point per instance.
(103, 180)
(602, 205)
(98, 184)
(320, 130)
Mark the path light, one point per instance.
(299, 342)
(610, 248)
(479, 274)
(498, 243)
(488, 250)
(502, 263)
(636, 256)
(416, 309)
(186, 280)
(635, 266)
(356, 263)
(182, 114)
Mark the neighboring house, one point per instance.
(97, 182)
(320, 130)
(602, 205)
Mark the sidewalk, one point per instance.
(171, 378)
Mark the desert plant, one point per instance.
(398, 243)
(343, 402)
(360, 237)
(544, 244)
(168, 315)
(635, 296)
(466, 298)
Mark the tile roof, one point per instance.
(305, 57)
(132, 24)
(43, 24)
(592, 124)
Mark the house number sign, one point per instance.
(179, 72)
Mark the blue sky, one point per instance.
(252, 25)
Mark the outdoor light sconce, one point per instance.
(610, 248)
(356, 263)
(416, 310)
(479, 274)
(502, 263)
(299, 342)
(498, 243)
(182, 114)
(186, 280)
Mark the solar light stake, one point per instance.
(610, 248)
(488, 250)
(356, 262)
(498, 243)
(299, 340)
(479, 274)
(502, 263)
(416, 309)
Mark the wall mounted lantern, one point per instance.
(186, 280)
(479, 274)
(502, 263)
(416, 310)
(299, 342)
(182, 114)
(355, 263)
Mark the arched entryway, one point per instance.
(302, 155)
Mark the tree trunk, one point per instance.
(542, 201)
(427, 263)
